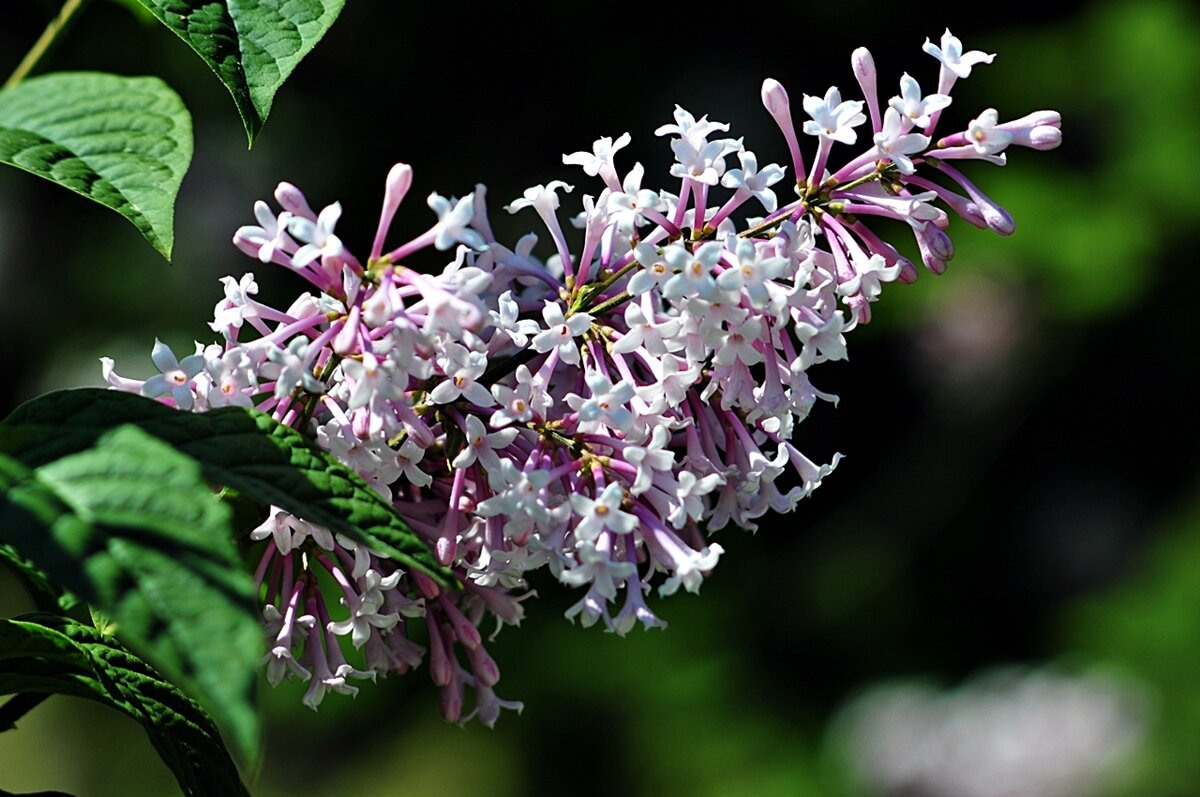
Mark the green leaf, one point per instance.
(243, 449)
(49, 654)
(251, 45)
(47, 595)
(131, 526)
(122, 142)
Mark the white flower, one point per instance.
(542, 198)
(626, 205)
(596, 515)
(869, 275)
(263, 241)
(319, 240)
(175, 377)
(506, 321)
(821, 343)
(739, 344)
(952, 57)
(688, 127)
(461, 367)
(914, 108)
(984, 135)
(894, 144)
(654, 456)
(482, 446)
(655, 270)
(693, 271)
(607, 402)
(752, 273)
(832, 118)
(656, 337)
(596, 567)
(702, 161)
(690, 572)
(753, 181)
(600, 160)
(561, 332)
(454, 220)
(516, 405)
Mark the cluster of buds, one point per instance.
(600, 413)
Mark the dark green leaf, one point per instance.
(243, 449)
(49, 654)
(131, 526)
(47, 595)
(122, 142)
(251, 45)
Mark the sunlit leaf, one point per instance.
(123, 142)
(251, 45)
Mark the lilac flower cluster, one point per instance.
(600, 413)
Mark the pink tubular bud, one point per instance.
(864, 65)
(1035, 119)
(399, 180)
(451, 702)
(441, 670)
(939, 243)
(936, 248)
(346, 341)
(981, 208)
(775, 99)
(425, 585)
(463, 628)
(998, 219)
(291, 199)
(484, 667)
(243, 243)
(864, 72)
(446, 548)
(1042, 138)
(1039, 130)
(908, 272)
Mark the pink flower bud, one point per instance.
(451, 702)
(775, 99)
(484, 666)
(399, 180)
(441, 671)
(291, 199)
(864, 72)
(1039, 130)
(346, 341)
(1042, 138)
(864, 65)
(425, 585)
(463, 628)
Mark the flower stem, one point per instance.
(43, 45)
(609, 304)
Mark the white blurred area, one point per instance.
(1006, 733)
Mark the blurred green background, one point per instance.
(1020, 482)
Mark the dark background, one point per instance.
(1020, 476)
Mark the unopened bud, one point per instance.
(346, 341)
(775, 99)
(864, 65)
(292, 200)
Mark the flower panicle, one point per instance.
(600, 413)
